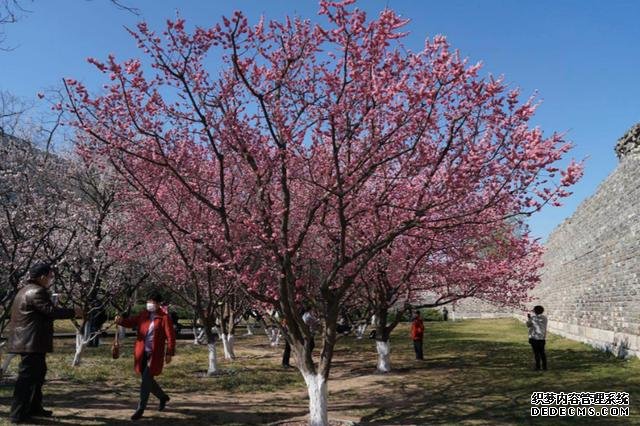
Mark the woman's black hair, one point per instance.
(538, 309)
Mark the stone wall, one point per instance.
(590, 284)
(591, 279)
(477, 308)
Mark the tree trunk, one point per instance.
(249, 329)
(231, 342)
(213, 359)
(122, 333)
(361, 330)
(227, 345)
(384, 356)
(80, 344)
(317, 389)
(274, 336)
(383, 344)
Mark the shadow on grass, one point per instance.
(472, 381)
(87, 408)
(476, 372)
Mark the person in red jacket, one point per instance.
(155, 344)
(417, 333)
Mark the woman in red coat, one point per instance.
(155, 344)
(417, 333)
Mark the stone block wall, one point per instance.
(477, 308)
(590, 285)
(591, 279)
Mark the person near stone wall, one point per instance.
(537, 325)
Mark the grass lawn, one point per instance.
(476, 372)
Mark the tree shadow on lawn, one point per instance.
(89, 408)
(479, 355)
(491, 383)
(467, 378)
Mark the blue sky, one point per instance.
(582, 56)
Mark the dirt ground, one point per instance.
(354, 387)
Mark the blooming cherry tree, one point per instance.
(307, 135)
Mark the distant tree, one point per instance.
(35, 215)
(102, 264)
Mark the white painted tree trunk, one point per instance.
(231, 343)
(384, 356)
(271, 335)
(122, 333)
(213, 359)
(81, 342)
(317, 389)
(249, 329)
(227, 345)
(274, 336)
(361, 330)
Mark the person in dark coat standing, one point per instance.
(155, 345)
(31, 336)
(417, 333)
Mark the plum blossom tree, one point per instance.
(230, 315)
(98, 268)
(187, 269)
(495, 262)
(36, 209)
(306, 136)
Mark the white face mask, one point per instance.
(151, 307)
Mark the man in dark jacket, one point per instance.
(31, 336)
